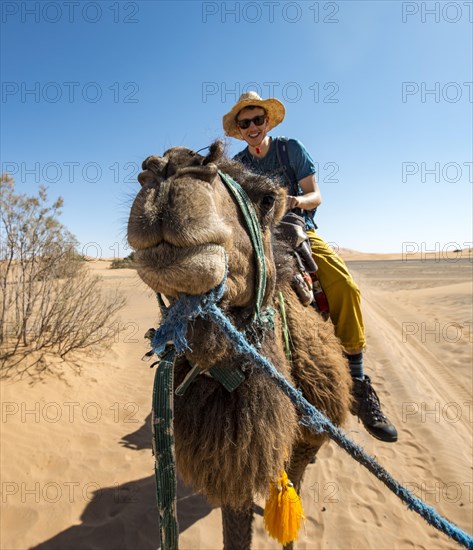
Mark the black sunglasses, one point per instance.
(244, 123)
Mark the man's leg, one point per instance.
(344, 299)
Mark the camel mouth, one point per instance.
(173, 270)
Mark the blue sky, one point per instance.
(380, 93)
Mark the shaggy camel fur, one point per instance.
(229, 445)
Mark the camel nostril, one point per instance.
(145, 177)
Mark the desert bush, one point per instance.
(123, 263)
(48, 299)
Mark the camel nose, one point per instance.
(179, 211)
(154, 169)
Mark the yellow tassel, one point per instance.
(283, 512)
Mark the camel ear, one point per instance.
(206, 173)
(216, 152)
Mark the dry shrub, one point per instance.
(49, 302)
(124, 263)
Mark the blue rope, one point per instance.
(177, 317)
(174, 329)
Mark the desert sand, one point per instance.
(76, 463)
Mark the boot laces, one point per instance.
(371, 405)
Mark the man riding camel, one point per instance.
(250, 120)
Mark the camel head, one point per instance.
(185, 225)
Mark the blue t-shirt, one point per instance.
(299, 158)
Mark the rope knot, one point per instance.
(176, 319)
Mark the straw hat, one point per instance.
(272, 106)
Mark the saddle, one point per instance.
(304, 281)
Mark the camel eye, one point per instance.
(196, 160)
(267, 202)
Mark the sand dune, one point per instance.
(76, 465)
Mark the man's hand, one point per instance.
(310, 197)
(292, 202)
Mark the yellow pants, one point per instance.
(343, 295)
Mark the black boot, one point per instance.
(368, 409)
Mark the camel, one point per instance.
(186, 230)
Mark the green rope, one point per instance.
(163, 449)
(254, 230)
